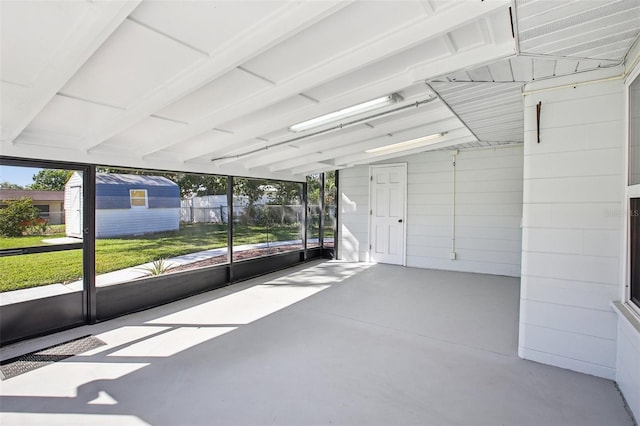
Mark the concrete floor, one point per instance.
(324, 343)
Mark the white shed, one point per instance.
(125, 205)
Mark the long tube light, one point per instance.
(346, 112)
(218, 161)
(402, 146)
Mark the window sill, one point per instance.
(625, 311)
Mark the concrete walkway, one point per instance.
(126, 274)
(140, 271)
(320, 344)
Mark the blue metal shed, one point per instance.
(125, 205)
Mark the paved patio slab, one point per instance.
(325, 343)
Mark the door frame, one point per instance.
(77, 230)
(60, 311)
(404, 209)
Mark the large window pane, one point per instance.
(153, 223)
(62, 269)
(314, 211)
(330, 192)
(634, 132)
(268, 217)
(37, 208)
(32, 203)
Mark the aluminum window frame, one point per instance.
(630, 288)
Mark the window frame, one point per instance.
(131, 198)
(632, 191)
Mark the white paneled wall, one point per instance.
(488, 211)
(628, 363)
(572, 227)
(353, 237)
(135, 221)
(487, 219)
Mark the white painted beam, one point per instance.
(237, 142)
(368, 52)
(432, 112)
(294, 18)
(101, 20)
(454, 137)
(359, 148)
(469, 60)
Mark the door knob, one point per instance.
(399, 220)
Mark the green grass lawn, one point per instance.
(112, 254)
(55, 231)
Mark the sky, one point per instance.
(19, 175)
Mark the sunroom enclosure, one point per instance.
(134, 238)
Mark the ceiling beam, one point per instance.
(451, 139)
(281, 149)
(247, 136)
(344, 62)
(353, 154)
(101, 20)
(464, 60)
(295, 18)
(322, 147)
(241, 140)
(320, 168)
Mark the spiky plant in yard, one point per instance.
(157, 267)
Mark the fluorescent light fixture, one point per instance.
(346, 112)
(402, 146)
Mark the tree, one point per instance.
(313, 189)
(286, 194)
(17, 216)
(189, 184)
(253, 189)
(50, 180)
(9, 185)
(330, 188)
(200, 185)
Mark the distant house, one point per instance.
(50, 203)
(125, 205)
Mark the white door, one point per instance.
(387, 232)
(74, 224)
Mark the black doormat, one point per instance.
(25, 363)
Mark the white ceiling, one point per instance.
(177, 84)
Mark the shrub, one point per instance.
(157, 267)
(38, 226)
(17, 217)
(274, 214)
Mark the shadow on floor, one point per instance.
(326, 343)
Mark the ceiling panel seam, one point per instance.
(203, 75)
(169, 36)
(42, 93)
(451, 110)
(197, 128)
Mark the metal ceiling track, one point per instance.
(334, 128)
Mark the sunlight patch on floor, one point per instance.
(65, 379)
(69, 419)
(103, 399)
(171, 342)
